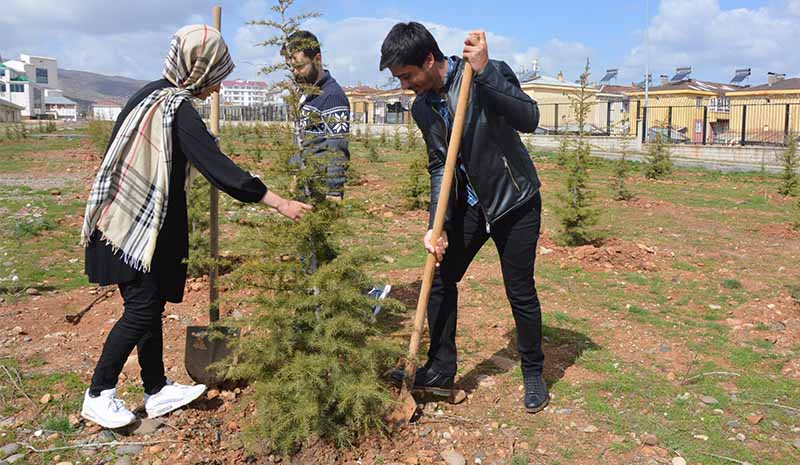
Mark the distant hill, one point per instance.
(86, 88)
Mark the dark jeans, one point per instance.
(515, 237)
(140, 327)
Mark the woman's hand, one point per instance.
(291, 209)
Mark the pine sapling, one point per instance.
(789, 162)
(659, 162)
(621, 191)
(576, 213)
(416, 189)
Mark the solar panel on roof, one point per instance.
(741, 75)
(610, 74)
(681, 74)
(649, 80)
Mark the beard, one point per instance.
(311, 78)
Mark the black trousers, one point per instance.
(140, 327)
(515, 237)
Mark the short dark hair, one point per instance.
(301, 41)
(408, 44)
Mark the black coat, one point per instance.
(498, 166)
(191, 141)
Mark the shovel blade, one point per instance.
(202, 350)
(404, 412)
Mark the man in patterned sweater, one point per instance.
(324, 123)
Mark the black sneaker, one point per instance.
(427, 380)
(536, 395)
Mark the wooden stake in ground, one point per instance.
(203, 348)
(408, 406)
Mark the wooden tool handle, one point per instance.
(213, 290)
(438, 223)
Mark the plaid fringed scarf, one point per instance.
(128, 200)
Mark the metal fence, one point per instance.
(605, 118)
(261, 113)
(758, 124)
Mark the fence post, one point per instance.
(608, 118)
(669, 123)
(644, 125)
(555, 116)
(638, 114)
(786, 126)
(744, 124)
(705, 122)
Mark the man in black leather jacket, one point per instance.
(495, 191)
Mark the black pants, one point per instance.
(140, 327)
(515, 237)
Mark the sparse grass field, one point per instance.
(684, 324)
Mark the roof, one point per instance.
(613, 89)
(782, 85)
(58, 100)
(16, 65)
(549, 81)
(240, 82)
(692, 86)
(41, 57)
(107, 103)
(6, 103)
(361, 90)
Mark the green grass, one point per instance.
(709, 220)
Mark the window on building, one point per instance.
(41, 75)
(2, 86)
(17, 88)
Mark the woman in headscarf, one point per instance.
(135, 228)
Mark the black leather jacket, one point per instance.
(497, 164)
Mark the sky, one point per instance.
(713, 37)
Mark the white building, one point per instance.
(9, 112)
(106, 110)
(60, 107)
(23, 82)
(246, 93)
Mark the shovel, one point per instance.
(407, 407)
(204, 345)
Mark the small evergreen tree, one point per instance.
(411, 131)
(416, 189)
(311, 349)
(382, 138)
(564, 152)
(796, 221)
(577, 214)
(367, 137)
(659, 162)
(373, 155)
(198, 202)
(621, 191)
(397, 143)
(790, 162)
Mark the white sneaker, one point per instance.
(106, 410)
(171, 397)
(379, 292)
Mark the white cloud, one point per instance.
(351, 48)
(130, 39)
(714, 41)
